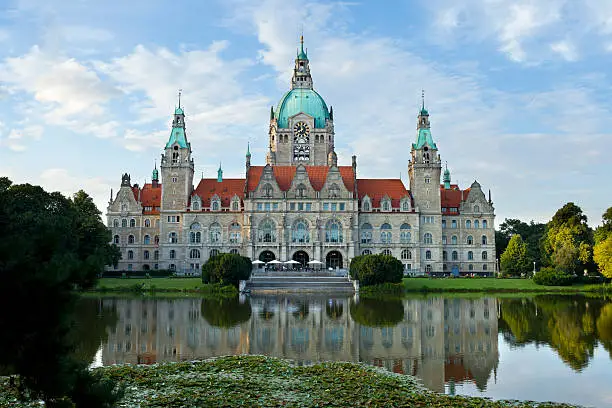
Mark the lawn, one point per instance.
(147, 284)
(490, 285)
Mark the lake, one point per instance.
(542, 348)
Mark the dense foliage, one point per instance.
(226, 269)
(49, 246)
(377, 312)
(530, 233)
(602, 252)
(549, 276)
(514, 260)
(376, 269)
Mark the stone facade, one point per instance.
(301, 205)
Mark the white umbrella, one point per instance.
(292, 262)
(315, 262)
(274, 261)
(257, 262)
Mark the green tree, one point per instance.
(605, 230)
(226, 269)
(531, 233)
(376, 269)
(49, 245)
(603, 256)
(568, 241)
(514, 259)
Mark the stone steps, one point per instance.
(299, 283)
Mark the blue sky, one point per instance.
(518, 91)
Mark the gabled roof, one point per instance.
(226, 189)
(284, 176)
(149, 197)
(451, 198)
(376, 189)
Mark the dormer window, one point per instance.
(235, 204)
(365, 204)
(385, 204)
(196, 205)
(406, 204)
(334, 191)
(215, 203)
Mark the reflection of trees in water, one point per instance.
(377, 312)
(225, 312)
(570, 325)
(92, 318)
(334, 309)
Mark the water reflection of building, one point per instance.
(439, 340)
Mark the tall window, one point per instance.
(386, 205)
(365, 205)
(428, 254)
(470, 267)
(216, 205)
(235, 233)
(484, 255)
(333, 231)
(300, 191)
(299, 233)
(268, 191)
(386, 252)
(444, 255)
(146, 240)
(454, 240)
(215, 233)
(172, 254)
(406, 254)
(484, 223)
(366, 233)
(428, 270)
(147, 223)
(156, 255)
(454, 224)
(405, 233)
(476, 224)
(214, 252)
(156, 240)
(235, 205)
(195, 205)
(172, 238)
(484, 240)
(334, 191)
(470, 240)
(455, 256)
(116, 239)
(476, 209)
(266, 232)
(443, 223)
(470, 256)
(130, 254)
(195, 235)
(385, 233)
(146, 254)
(124, 223)
(194, 253)
(443, 239)
(131, 239)
(427, 238)
(468, 224)
(406, 205)
(132, 223)
(115, 223)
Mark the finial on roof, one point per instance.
(422, 99)
(219, 174)
(248, 149)
(202, 174)
(179, 98)
(302, 55)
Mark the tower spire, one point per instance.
(219, 174)
(422, 99)
(301, 72)
(179, 98)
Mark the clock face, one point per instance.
(301, 131)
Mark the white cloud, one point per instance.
(85, 34)
(17, 139)
(565, 49)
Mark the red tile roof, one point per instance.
(284, 176)
(451, 198)
(149, 197)
(376, 189)
(225, 189)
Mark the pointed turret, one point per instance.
(423, 128)
(155, 176)
(447, 178)
(301, 72)
(219, 174)
(178, 134)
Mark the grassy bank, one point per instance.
(494, 285)
(162, 285)
(258, 381)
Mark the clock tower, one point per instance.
(302, 127)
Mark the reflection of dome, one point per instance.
(301, 100)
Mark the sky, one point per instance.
(518, 90)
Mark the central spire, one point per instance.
(301, 72)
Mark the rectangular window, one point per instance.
(325, 206)
(444, 209)
(408, 267)
(308, 206)
(427, 180)
(300, 206)
(334, 207)
(292, 206)
(454, 224)
(341, 206)
(267, 206)
(259, 206)
(275, 206)
(443, 239)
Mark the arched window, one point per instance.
(132, 223)
(386, 252)
(454, 240)
(428, 254)
(366, 233)
(366, 252)
(195, 235)
(455, 256)
(130, 254)
(484, 240)
(146, 254)
(443, 239)
(234, 251)
(385, 233)
(235, 233)
(484, 267)
(175, 157)
(444, 255)
(194, 253)
(300, 191)
(172, 238)
(116, 239)
(124, 223)
(156, 255)
(146, 240)
(427, 238)
(476, 224)
(116, 223)
(365, 204)
(131, 239)
(334, 191)
(386, 205)
(215, 205)
(214, 252)
(470, 256)
(236, 205)
(172, 254)
(468, 224)
(484, 223)
(469, 240)
(333, 231)
(215, 233)
(195, 205)
(405, 235)
(443, 223)
(484, 255)
(147, 223)
(266, 232)
(406, 255)
(299, 232)
(268, 191)
(406, 205)
(156, 240)
(470, 267)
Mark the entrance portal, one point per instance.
(333, 260)
(267, 256)
(301, 257)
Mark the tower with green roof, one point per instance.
(301, 126)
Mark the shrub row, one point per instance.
(552, 277)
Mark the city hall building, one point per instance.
(301, 204)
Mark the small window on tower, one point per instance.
(427, 180)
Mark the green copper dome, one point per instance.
(301, 100)
(424, 137)
(155, 175)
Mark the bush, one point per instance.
(376, 269)
(552, 277)
(226, 269)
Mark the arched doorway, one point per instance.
(267, 256)
(333, 260)
(301, 257)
